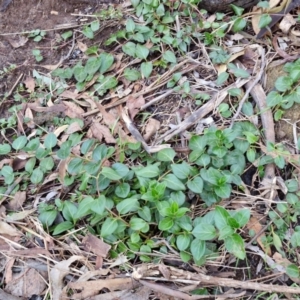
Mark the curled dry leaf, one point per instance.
(152, 127)
(18, 200)
(134, 104)
(29, 83)
(7, 229)
(29, 115)
(95, 245)
(29, 283)
(17, 41)
(57, 274)
(73, 110)
(100, 131)
(287, 22)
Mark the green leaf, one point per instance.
(165, 224)
(128, 205)
(145, 213)
(204, 232)
(19, 142)
(30, 164)
(223, 190)
(222, 78)
(84, 207)
(182, 170)
(50, 140)
(293, 271)
(146, 69)
(99, 205)
(198, 248)
(65, 150)
(129, 48)
(47, 164)
(69, 211)
(80, 73)
(273, 99)
(75, 166)
(203, 160)
(109, 226)
(131, 74)
(295, 239)
(283, 83)
(121, 169)
(279, 161)
(122, 190)
(138, 225)
(264, 20)
(64, 226)
(235, 245)
(47, 217)
(239, 24)
(196, 185)
(185, 257)
(241, 73)
(198, 143)
(107, 61)
(167, 154)
(221, 215)
(169, 56)
(5, 149)
(141, 51)
(242, 217)
(37, 176)
(150, 171)
(130, 25)
(183, 242)
(110, 173)
(225, 232)
(95, 25)
(173, 183)
(88, 32)
(8, 174)
(251, 154)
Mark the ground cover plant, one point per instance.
(149, 158)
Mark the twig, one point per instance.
(251, 85)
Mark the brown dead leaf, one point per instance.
(56, 108)
(255, 225)
(62, 169)
(73, 127)
(26, 284)
(29, 83)
(287, 22)
(69, 94)
(18, 200)
(255, 19)
(92, 244)
(152, 127)
(57, 274)
(164, 271)
(29, 115)
(8, 270)
(134, 104)
(60, 129)
(81, 46)
(7, 229)
(100, 131)
(91, 288)
(17, 41)
(73, 110)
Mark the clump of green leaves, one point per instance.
(37, 35)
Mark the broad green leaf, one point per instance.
(5, 149)
(95, 25)
(173, 183)
(99, 205)
(167, 154)
(222, 78)
(65, 150)
(84, 207)
(166, 224)
(169, 56)
(183, 241)
(145, 213)
(50, 140)
(62, 227)
(225, 232)
(122, 190)
(235, 245)
(88, 32)
(87, 145)
(130, 25)
(109, 226)
(293, 271)
(132, 74)
(150, 171)
(37, 176)
(141, 51)
(75, 166)
(198, 248)
(69, 211)
(182, 171)
(283, 83)
(30, 164)
(273, 99)
(295, 239)
(138, 224)
(128, 205)
(47, 217)
(8, 173)
(146, 69)
(107, 61)
(20, 142)
(121, 169)
(221, 215)
(198, 143)
(264, 20)
(110, 173)
(242, 217)
(205, 232)
(223, 191)
(47, 164)
(129, 48)
(239, 24)
(196, 185)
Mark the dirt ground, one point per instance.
(27, 15)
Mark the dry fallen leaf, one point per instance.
(73, 110)
(134, 104)
(100, 131)
(18, 200)
(29, 83)
(26, 284)
(95, 245)
(7, 229)
(152, 127)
